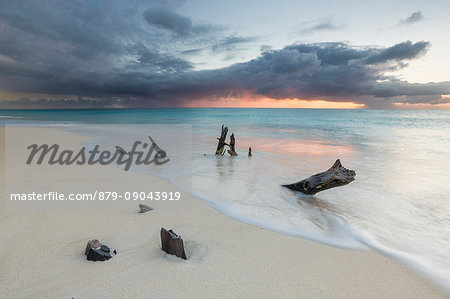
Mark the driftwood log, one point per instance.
(172, 243)
(336, 176)
(232, 150)
(221, 144)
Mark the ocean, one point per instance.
(399, 204)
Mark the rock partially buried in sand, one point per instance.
(95, 251)
(172, 243)
(98, 255)
(144, 208)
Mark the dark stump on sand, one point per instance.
(172, 243)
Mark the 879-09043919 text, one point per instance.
(97, 195)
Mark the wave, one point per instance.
(10, 117)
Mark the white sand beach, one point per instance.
(42, 255)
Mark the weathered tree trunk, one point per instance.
(172, 243)
(232, 150)
(336, 176)
(221, 145)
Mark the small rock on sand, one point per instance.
(95, 251)
(144, 208)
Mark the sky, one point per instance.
(197, 53)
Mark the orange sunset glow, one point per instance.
(265, 102)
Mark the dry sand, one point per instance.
(42, 255)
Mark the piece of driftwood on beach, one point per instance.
(336, 176)
(232, 150)
(221, 144)
(172, 243)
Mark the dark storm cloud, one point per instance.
(402, 51)
(125, 55)
(331, 71)
(413, 18)
(145, 58)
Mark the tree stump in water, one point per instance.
(336, 176)
(221, 145)
(232, 150)
(172, 243)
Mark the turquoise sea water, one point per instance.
(399, 203)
